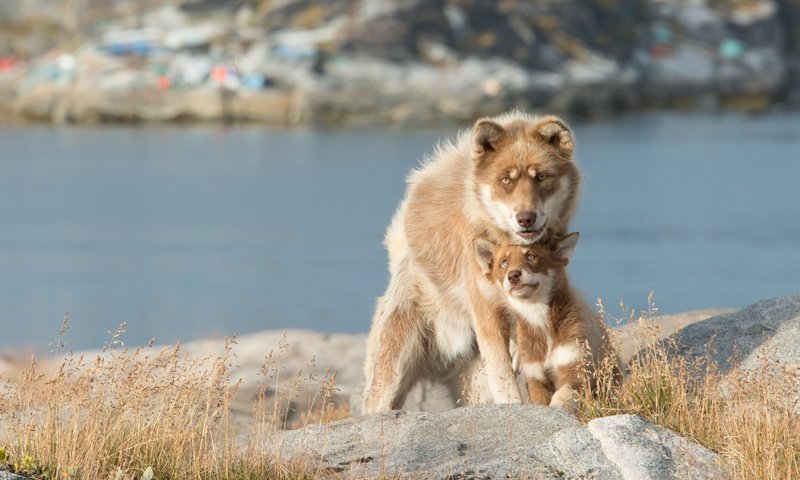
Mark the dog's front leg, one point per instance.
(492, 333)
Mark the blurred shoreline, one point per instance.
(359, 62)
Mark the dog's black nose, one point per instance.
(526, 219)
(514, 276)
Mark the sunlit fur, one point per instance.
(439, 314)
(558, 334)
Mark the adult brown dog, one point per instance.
(512, 180)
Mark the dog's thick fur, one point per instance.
(439, 314)
(558, 334)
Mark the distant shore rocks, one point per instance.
(357, 62)
(92, 106)
(360, 91)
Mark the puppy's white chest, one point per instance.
(537, 314)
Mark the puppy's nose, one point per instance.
(514, 276)
(526, 219)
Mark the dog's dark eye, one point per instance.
(542, 177)
(504, 264)
(505, 180)
(529, 257)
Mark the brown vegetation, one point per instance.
(142, 413)
(749, 417)
(147, 413)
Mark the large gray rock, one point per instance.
(11, 476)
(498, 441)
(634, 336)
(767, 330)
(643, 451)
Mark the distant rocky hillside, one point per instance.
(408, 61)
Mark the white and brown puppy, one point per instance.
(557, 333)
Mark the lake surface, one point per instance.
(187, 232)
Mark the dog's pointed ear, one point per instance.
(564, 248)
(484, 254)
(485, 136)
(554, 131)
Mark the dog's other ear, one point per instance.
(484, 254)
(565, 247)
(485, 136)
(554, 131)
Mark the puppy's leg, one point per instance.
(539, 392)
(565, 398)
(539, 389)
(567, 360)
(532, 349)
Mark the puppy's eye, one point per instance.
(505, 180)
(504, 264)
(529, 257)
(542, 177)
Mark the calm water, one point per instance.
(190, 232)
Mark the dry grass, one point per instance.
(747, 416)
(143, 413)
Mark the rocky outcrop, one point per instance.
(765, 331)
(499, 441)
(297, 356)
(759, 343)
(484, 442)
(634, 336)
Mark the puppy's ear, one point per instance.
(485, 138)
(484, 254)
(554, 131)
(565, 247)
